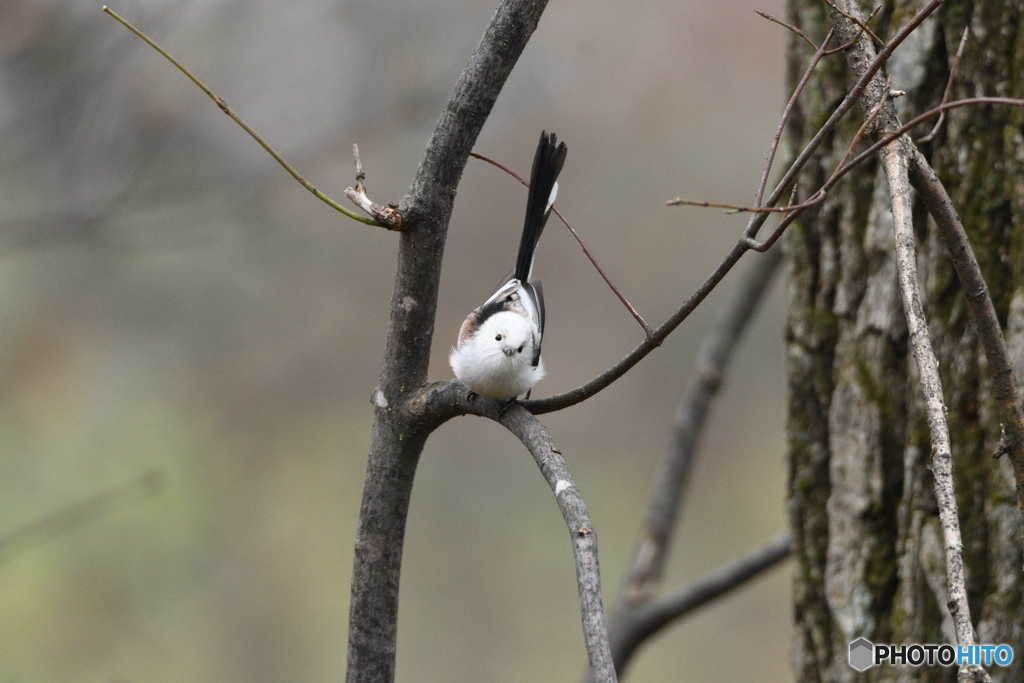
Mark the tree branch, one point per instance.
(936, 200)
(895, 163)
(983, 313)
(949, 88)
(671, 483)
(581, 530)
(646, 620)
(399, 431)
(895, 160)
(746, 241)
(818, 54)
(628, 625)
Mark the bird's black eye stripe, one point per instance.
(497, 338)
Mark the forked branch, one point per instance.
(747, 240)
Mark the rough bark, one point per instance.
(864, 516)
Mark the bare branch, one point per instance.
(586, 249)
(851, 98)
(650, 618)
(792, 28)
(979, 303)
(746, 241)
(896, 166)
(895, 160)
(584, 540)
(76, 515)
(671, 482)
(793, 211)
(245, 126)
(818, 54)
(581, 393)
(949, 86)
(399, 430)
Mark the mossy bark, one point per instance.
(861, 501)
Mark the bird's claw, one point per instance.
(505, 406)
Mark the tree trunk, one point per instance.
(861, 501)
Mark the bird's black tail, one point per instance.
(547, 164)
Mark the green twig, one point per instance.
(245, 126)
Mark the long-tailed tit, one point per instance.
(498, 351)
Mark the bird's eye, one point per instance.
(497, 338)
(520, 348)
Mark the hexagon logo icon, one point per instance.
(862, 653)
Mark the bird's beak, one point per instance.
(507, 351)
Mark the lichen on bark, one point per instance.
(861, 499)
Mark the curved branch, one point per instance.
(581, 530)
(581, 393)
(438, 402)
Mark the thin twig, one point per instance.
(793, 211)
(863, 26)
(868, 120)
(549, 459)
(815, 199)
(949, 87)
(586, 249)
(818, 53)
(360, 173)
(234, 117)
(76, 515)
(896, 167)
(789, 178)
(792, 28)
(853, 41)
(889, 136)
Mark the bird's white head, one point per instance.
(508, 335)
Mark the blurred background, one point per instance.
(172, 301)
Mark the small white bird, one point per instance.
(498, 350)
